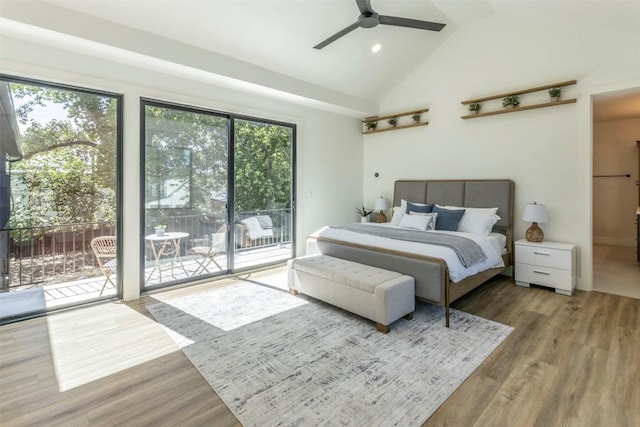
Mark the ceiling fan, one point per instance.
(369, 18)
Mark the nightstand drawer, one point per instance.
(544, 257)
(545, 276)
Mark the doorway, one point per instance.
(616, 192)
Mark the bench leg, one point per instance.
(382, 328)
(408, 316)
(293, 292)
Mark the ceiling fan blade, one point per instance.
(364, 6)
(336, 36)
(411, 23)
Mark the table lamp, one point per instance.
(535, 213)
(381, 205)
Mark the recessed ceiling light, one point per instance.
(376, 48)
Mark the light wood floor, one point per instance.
(616, 270)
(571, 361)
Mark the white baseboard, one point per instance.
(616, 241)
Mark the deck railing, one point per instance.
(43, 255)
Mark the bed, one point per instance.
(433, 275)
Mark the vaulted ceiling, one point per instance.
(267, 45)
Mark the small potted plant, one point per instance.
(160, 229)
(371, 126)
(416, 118)
(364, 213)
(474, 107)
(511, 101)
(554, 93)
(393, 121)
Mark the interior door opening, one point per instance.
(616, 192)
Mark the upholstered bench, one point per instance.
(380, 295)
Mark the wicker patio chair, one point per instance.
(104, 248)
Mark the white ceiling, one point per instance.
(280, 34)
(277, 36)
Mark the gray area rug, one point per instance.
(280, 360)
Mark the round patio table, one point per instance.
(165, 248)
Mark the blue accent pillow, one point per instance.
(448, 219)
(420, 208)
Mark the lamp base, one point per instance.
(381, 217)
(534, 233)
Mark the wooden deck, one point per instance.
(87, 289)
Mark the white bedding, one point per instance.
(493, 246)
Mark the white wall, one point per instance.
(329, 146)
(547, 152)
(615, 199)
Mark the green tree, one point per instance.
(170, 133)
(262, 158)
(69, 161)
(263, 166)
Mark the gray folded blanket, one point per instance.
(468, 251)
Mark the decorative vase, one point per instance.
(364, 219)
(159, 231)
(555, 98)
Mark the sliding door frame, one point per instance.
(230, 206)
(293, 154)
(119, 145)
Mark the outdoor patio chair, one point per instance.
(104, 248)
(217, 247)
(254, 231)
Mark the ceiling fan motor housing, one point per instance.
(368, 20)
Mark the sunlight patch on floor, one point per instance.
(229, 305)
(93, 343)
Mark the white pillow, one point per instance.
(419, 222)
(396, 216)
(477, 222)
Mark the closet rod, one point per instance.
(612, 176)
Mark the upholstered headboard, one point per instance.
(468, 193)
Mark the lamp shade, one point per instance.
(535, 212)
(382, 204)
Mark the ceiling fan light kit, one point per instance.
(369, 18)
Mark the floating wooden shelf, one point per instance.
(412, 125)
(513, 110)
(523, 107)
(389, 116)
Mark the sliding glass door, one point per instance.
(263, 192)
(185, 193)
(218, 193)
(59, 196)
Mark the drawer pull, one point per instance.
(542, 272)
(541, 253)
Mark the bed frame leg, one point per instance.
(447, 316)
(446, 303)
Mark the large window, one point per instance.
(217, 193)
(59, 190)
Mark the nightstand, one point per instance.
(551, 264)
